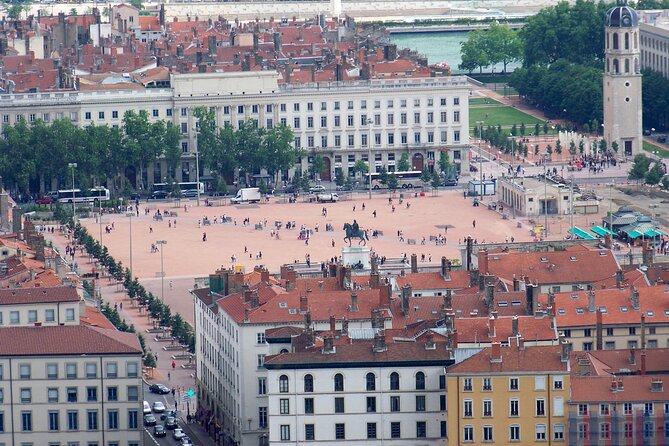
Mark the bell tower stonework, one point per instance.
(622, 80)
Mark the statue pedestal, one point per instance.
(351, 255)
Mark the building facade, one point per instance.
(70, 385)
(654, 41)
(40, 306)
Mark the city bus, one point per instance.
(97, 193)
(407, 179)
(188, 189)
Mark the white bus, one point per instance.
(97, 193)
(188, 189)
(407, 179)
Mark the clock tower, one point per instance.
(622, 80)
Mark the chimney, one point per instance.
(254, 301)
(516, 284)
(291, 279)
(448, 299)
(583, 366)
(490, 297)
(531, 292)
(473, 278)
(307, 320)
(620, 278)
(614, 384)
(632, 358)
(385, 294)
(635, 298)
(328, 345)
(496, 352)
(429, 342)
(374, 263)
(354, 302)
(483, 261)
(414, 263)
(591, 301)
(246, 292)
(647, 254)
(379, 343)
(406, 293)
(264, 275)
(565, 350)
(445, 268)
(333, 324)
(344, 327)
(246, 314)
(374, 280)
(469, 249)
(514, 326)
(643, 362)
(492, 333)
(643, 332)
(598, 330)
(304, 304)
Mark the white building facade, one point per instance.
(40, 306)
(341, 121)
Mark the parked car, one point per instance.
(190, 193)
(150, 420)
(147, 407)
(158, 407)
(186, 441)
(44, 200)
(451, 182)
(160, 195)
(160, 389)
(159, 431)
(178, 433)
(171, 423)
(316, 189)
(325, 197)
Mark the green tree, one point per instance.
(171, 146)
(383, 175)
(536, 129)
(665, 182)
(403, 164)
(545, 128)
(514, 130)
(572, 148)
(602, 145)
(19, 157)
(339, 178)
(15, 10)
(425, 175)
(137, 4)
(581, 147)
(655, 174)
(280, 153)
(250, 156)
(435, 180)
(392, 181)
(558, 147)
(140, 141)
(317, 166)
(522, 129)
(472, 52)
(444, 162)
(615, 147)
(361, 167)
(150, 360)
(639, 167)
(549, 151)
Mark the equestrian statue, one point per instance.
(354, 231)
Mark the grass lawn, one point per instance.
(483, 101)
(648, 147)
(504, 116)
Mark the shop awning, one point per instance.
(580, 233)
(601, 231)
(634, 234)
(652, 233)
(660, 231)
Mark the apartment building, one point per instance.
(618, 397)
(70, 386)
(611, 319)
(40, 306)
(654, 40)
(368, 392)
(514, 394)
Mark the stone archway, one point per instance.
(326, 174)
(417, 162)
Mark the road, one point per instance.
(169, 402)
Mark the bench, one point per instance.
(259, 227)
(173, 214)
(411, 241)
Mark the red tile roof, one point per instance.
(94, 318)
(66, 340)
(435, 281)
(636, 388)
(529, 359)
(477, 329)
(38, 295)
(606, 362)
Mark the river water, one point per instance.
(439, 47)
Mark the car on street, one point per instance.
(150, 420)
(158, 407)
(160, 389)
(178, 433)
(327, 197)
(186, 441)
(318, 188)
(44, 200)
(451, 182)
(171, 423)
(147, 407)
(190, 193)
(160, 195)
(159, 431)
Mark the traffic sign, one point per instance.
(191, 392)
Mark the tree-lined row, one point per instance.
(32, 155)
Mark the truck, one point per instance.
(322, 198)
(247, 195)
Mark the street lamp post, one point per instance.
(74, 214)
(369, 156)
(545, 203)
(162, 270)
(130, 215)
(480, 125)
(197, 174)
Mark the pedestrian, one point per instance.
(333, 243)
(363, 206)
(174, 365)
(120, 306)
(393, 208)
(474, 223)
(353, 208)
(374, 214)
(150, 229)
(204, 236)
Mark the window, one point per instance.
(421, 429)
(309, 405)
(340, 431)
(260, 359)
(487, 384)
(309, 432)
(262, 386)
(168, 113)
(420, 381)
(395, 429)
(557, 382)
(72, 420)
(394, 381)
(49, 316)
(456, 116)
(284, 406)
(420, 403)
(87, 115)
(629, 430)
(339, 405)
(539, 383)
(283, 384)
(112, 419)
(456, 136)
(514, 432)
(133, 393)
(112, 394)
(627, 408)
(468, 408)
(112, 370)
(648, 409)
(632, 330)
(370, 382)
(92, 394)
(442, 402)
(52, 371)
(54, 421)
(582, 431)
(513, 383)
(394, 403)
(487, 433)
(371, 404)
(308, 383)
(587, 333)
(604, 431)
(52, 395)
(468, 433)
(133, 422)
(514, 408)
(604, 409)
(371, 431)
(540, 432)
(467, 385)
(541, 407)
(71, 394)
(24, 371)
(648, 429)
(26, 421)
(442, 382)
(558, 432)
(285, 428)
(32, 316)
(487, 408)
(26, 396)
(339, 382)
(262, 417)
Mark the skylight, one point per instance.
(580, 311)
(502, 303)
(283, 305)
(623, 309)
(544, 259)
(515, 303)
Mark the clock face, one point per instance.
(627, 21)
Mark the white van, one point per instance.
(147, 407)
